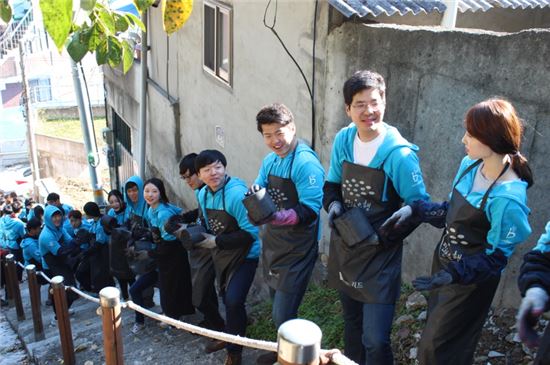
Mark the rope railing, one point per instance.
(335, 358)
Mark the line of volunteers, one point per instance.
(374, 195)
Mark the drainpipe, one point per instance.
(143, 98)
(449, 17)
(86, 123)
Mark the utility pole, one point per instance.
(31, 141)
(86, 123)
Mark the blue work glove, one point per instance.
(531, 308)
(437, 280)
(335, 210)
(396, 219)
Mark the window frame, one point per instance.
(220, 10)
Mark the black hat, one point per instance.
(92, 209)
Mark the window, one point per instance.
(122, 132)
(40, 90)
(218, 47)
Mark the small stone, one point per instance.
(422, 316)
(413, 353)
(404, 318)
(94, 347)
(480, 359)
(416, 300)
(149, 358)
(88, 362)
(513, 338)
(81, 347)
(495, 354)
(403, 332)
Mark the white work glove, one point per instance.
(532, 306)
(208, 242)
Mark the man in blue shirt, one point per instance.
(293, 176)
(372, 170)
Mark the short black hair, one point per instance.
(187, 164)
(160, 185)
(33, 223)
(16, 206)
(208, 157)
(75, 214)
(92, 209)
(52, 197)
(38, 211)
(274, 113)
(8, 209)
(361, 80)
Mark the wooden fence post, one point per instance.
(34, 292)
(63, 322)
(13, 286)
(109, 298)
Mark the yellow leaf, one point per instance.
(175, 13)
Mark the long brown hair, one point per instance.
(495, 123)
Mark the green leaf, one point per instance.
(87, 5)
(101, 52)
(121, 23)
(127, 55)
(114, 52)
(134, 20)
(95, 37)
(142, 5)
(5, 11)
(106, 21)
(57, 16)
(78, 46)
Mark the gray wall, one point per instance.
(433, 77)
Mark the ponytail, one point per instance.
(522, 169)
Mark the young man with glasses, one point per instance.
(373, 169)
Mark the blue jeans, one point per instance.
(367, 328)
(234, 299)
(285, 305)
(143, 282)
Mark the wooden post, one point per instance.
(298, 343)
(14, 286)
(63, 322)
(34, 292)
(109, 298)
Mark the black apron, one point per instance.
(174, 279)
(118, 244)
(225, 261)
(203, 273)
(99, 267)
(288, 252)
(456, 313)
(366, 273)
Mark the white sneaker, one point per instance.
(137, 327)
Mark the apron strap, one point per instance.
(486, 196)
(468, 169)
(227, 178)
(291, 162)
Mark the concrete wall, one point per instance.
(433, 77)
(60, 157)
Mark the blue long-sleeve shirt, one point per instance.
(234, 194)
(157, 217)
(395, 155)
(31, 249)
(51, 238)
(138, 209)
(13, 231)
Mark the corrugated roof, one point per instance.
(402, 7)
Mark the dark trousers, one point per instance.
(143, 282)
(367, 328)
(234, 299)
(209, 307)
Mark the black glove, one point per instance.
(82, 236)
(437, 280)
(335, 210)
(69, 250)
(174, 223)
(157, 235)
(253, 189)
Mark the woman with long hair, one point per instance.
(485, 219)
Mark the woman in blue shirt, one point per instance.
(118, 207)
(234, 241)
(484, 220)
(172, 260)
